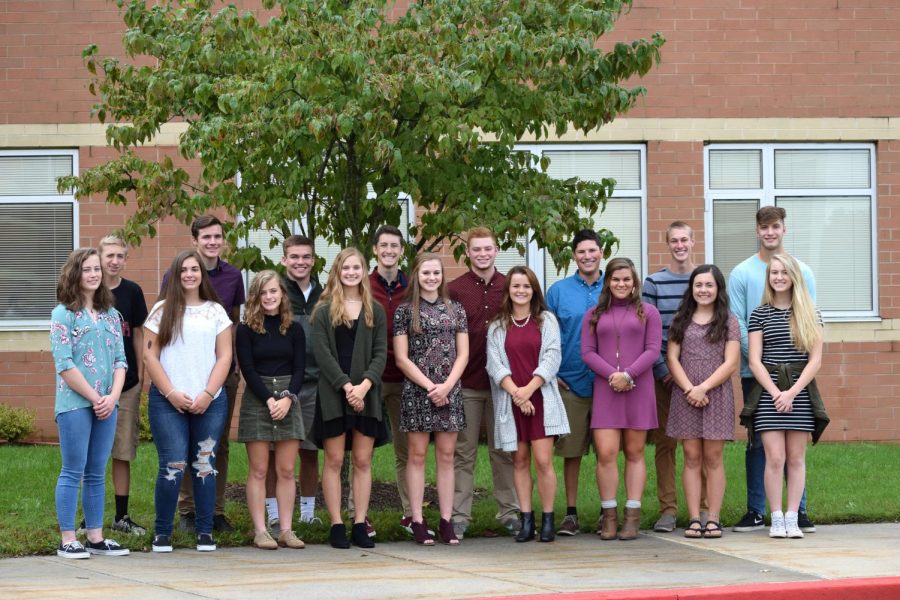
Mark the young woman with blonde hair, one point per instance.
(785, 337)
(349, 333)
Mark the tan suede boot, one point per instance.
(632, 525)
(609, 523)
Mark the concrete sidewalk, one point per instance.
(478, 568)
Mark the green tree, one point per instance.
(331, 110)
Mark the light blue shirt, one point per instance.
(96, 349)
(569, 299)
(746, 285)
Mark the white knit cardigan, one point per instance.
(556, 422)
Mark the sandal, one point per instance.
(448, 536)
(421, 535)
(694, 532)
(713, 530)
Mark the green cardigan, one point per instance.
(369, 357)
(787, 375)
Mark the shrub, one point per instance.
(16, 423)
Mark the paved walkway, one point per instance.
(479, 568)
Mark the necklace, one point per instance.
(524, 323)
(618, 335)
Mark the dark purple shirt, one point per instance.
(482, 302)
(228, 283)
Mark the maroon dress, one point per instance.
(523, 349)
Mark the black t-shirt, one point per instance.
(130, 302)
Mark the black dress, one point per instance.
(344, 338)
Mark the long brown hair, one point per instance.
(538, 306)
(718, 326)
(254, 314)
(415, 290)
(172, 295)
(68, 287)
(334, 291)
(605, 300)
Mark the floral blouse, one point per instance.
(96, 349)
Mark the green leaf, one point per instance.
(319, 99)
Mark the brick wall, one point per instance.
(674, 193)
(768, 58)
(889, 228)
(723, 58)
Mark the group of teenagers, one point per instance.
(386, 356)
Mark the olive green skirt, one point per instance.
(256, 424)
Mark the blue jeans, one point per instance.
(85, 443)
(175, 434)
(755, 463)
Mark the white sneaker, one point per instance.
(792, 529)
(777, 530)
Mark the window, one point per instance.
(625, 213)
(39, 228)
(261, 238)
(828, 191)
(330, 251)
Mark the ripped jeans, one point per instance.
(185, 440)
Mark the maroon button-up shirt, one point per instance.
(390, 295)
(482, 302)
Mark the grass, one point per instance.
(847, 483)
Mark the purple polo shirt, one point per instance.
(228, 283)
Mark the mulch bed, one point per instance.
(384, 495)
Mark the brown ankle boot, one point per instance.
(632, 525)
(609, 523)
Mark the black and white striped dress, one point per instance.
(778, 349)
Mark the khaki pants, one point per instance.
(186, 496)
(390, 395)
(128, 425)
(479, 409)
(665, 454)
(665, 457)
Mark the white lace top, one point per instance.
(189, 359)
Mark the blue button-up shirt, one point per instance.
(569, 299)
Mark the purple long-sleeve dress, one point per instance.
(637, 344)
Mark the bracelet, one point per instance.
(169, 394)
(292, 397)
(628, 377)
(211, 397)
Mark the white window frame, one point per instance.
(767, 194)
(323, 248)
(68, 198)
(535, 256)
